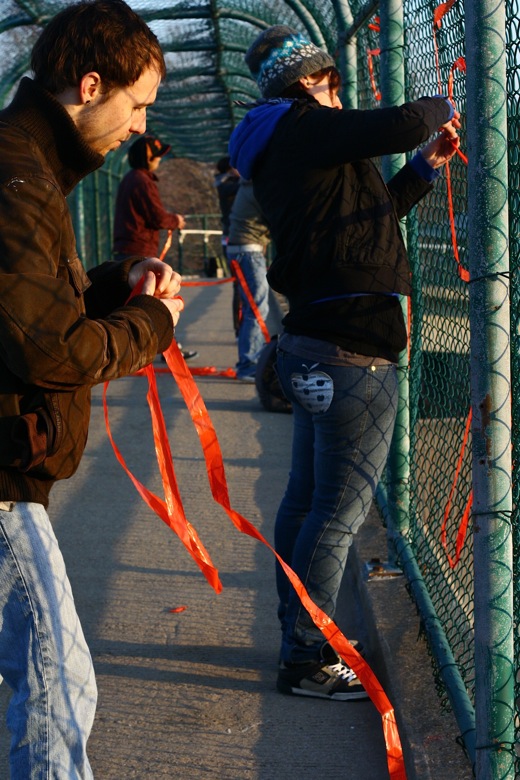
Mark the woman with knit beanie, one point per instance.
(341, 262)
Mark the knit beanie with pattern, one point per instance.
(280, 56)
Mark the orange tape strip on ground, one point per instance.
(217, 480)
(207, 284)
(229, 373)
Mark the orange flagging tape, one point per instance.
(187, 283)
(371, 53)
(460, 64)
(229, 373)
(235, 267)
(463, 526)
(441, 11)
(169, 509)
(167, 244)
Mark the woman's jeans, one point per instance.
(343, 423)
(43, 654)
(250, 336)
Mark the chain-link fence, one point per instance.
(436, 539)
(453, 521)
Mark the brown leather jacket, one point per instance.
(61, 331)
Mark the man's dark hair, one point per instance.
(102, 36)
(224, 164)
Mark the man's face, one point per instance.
(111, 119)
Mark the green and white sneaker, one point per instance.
(329, 678)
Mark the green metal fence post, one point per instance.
(490, 387)
(392, 93)
(347, 47)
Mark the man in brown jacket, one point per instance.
(62, 332)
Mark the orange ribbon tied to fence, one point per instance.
(460, 64)
(463, 525)
(171, 512)
(371, 53)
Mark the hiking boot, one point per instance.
(329, 678)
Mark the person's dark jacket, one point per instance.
(227, 185)
(333, 220)
(140, 215)
(61, 331)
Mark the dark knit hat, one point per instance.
(280, 56)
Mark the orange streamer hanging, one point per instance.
(172, 513)
(463, 526)
(219, 490)
(235, 267)
(371, 53)
(167, 245)
(460, 64)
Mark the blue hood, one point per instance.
(251, 136)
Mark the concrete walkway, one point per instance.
(192, 694)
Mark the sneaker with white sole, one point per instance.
(329, 678)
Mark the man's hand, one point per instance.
(167, 281)
(161, 281)
(174, 305)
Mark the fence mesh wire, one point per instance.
(195, 111)
(439, 375)
(440, 451)
(513, 110)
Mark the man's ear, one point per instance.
(89, 87)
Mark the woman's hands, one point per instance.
(441, 149)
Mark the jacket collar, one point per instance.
(38, 113)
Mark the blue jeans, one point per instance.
(43, 654)
(343, 423)
(250, 337)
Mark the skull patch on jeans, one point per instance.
(313, 390)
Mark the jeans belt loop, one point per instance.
(7, 506)
(245, 248)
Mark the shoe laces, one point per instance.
(342, 670)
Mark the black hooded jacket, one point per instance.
(340, 255)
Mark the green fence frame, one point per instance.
(464, 339)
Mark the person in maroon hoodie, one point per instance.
(140, 214)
